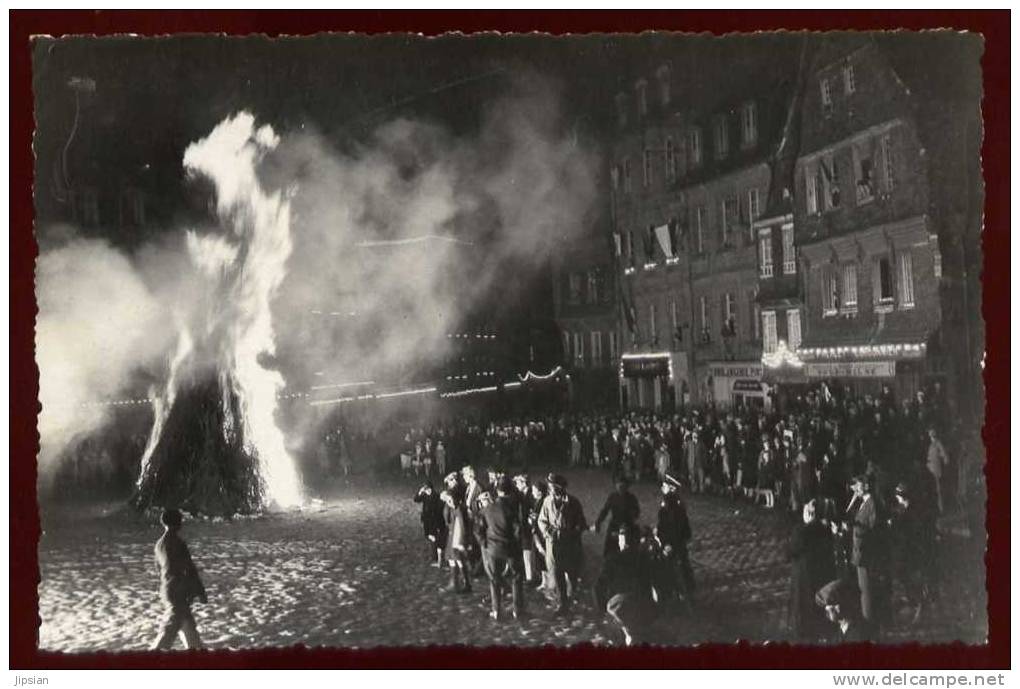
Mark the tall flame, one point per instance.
(252, 268)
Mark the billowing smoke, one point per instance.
(401, 238)
(392, 244)
(98, 323)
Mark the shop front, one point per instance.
(652, 381)
(735, 384)
(876, 370)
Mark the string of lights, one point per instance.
(531, 375)
(512, 385)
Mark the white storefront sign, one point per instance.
(851, 369)
(725, 377)
(753, 371)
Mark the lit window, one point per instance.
(887, 164)
(765, 250)
(793, 328)
(670, 160)
(724, 220)
(771, 339)
(826, 86)
(694, 146)
(753, 211)
(596, 347)
(849, 84)
(830, 182)
(849, 288)
(789, 253)
(579, 348)
(755, 310)
(811, 182)
(730, 314)
(749, 122)
(699, 227)
(864, 172)
(906, 280)
(830, 297)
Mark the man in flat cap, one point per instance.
(561, 522)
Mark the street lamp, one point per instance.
(79, 85)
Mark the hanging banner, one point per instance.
(662, 234)
(851, 369)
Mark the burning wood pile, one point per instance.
(202, 463)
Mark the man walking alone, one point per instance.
(179, 585)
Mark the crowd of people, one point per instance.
(522, 534)
(864, 478)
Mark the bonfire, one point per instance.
(215, 446)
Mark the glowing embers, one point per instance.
(783, 356)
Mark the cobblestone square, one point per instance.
(349, 570)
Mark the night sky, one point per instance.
(154, 96)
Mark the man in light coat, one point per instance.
(561, 522)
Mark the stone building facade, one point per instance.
(868, 251)
(691, 175)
